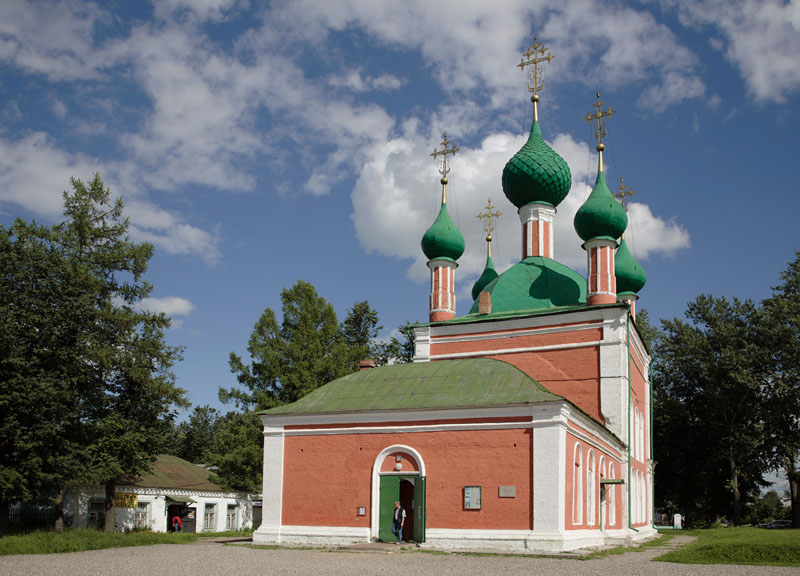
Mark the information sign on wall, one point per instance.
(126, 500)
(472, 497)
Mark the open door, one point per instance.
(389, 494)
(419, 509)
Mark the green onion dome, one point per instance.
(489, 274)
(601, 216)
(536, 173)
(630, 276)
(442, 239)
(533, 284)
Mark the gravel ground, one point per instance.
(218, 559)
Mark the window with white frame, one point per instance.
(210, 517)
(230, 518)
(142, 521)
(603, 501)
(577, 487)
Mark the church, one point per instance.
(523, 425)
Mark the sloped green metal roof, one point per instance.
(533, 283)
(475, 382)
(176, 473)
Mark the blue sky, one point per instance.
(260, 143)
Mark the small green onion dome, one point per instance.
(489, 274)
(536, 173)
(442, 239)
(630, 276)
(601, 215)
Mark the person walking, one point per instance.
(398, 522)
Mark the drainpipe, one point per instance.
(652, 466)
(630, 400)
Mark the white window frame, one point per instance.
(577, 486)
(210, 516)
(228, 516)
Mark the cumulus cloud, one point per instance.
(760, 37)
(169, 305)
(397, 197)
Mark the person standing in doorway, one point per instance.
(176, 523)
(398, 522)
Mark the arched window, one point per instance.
(641, 437)
(590, 489)
(577, 487)
(612, 497)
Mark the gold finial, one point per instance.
(489, 226)
(622, 191)
(599, 129)
(445, 169)
(536, 54)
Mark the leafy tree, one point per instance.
(780, 336)
(45, 313)
(76, 340)
(707, 388)
(195, 438)
(237, 452)
(307, 350)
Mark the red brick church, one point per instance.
(524, 424)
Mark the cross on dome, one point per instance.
(536, 54)
(599, 130)
(489, 216)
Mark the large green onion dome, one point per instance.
(536, 173)
(443, 239)
(601, 216)
(630, 276)
(489, 274)
(535, 283)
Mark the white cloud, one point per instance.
(51, 38)
(195, 9)
(356, 81)
(761, 37)
(398, 194)
(169, 305)
(34, 172)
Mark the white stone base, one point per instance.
(490, 540)
(311, 535)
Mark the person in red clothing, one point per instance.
(176, 524)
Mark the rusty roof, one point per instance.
(177, 474)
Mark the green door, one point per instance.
(419, 509)
(390, 493)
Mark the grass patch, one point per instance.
(49, 542)
(744, 546)
(648, 545)
(227, 534)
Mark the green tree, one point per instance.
(237, 452)
(196, 436)
(307, 350)
(780, 336)
(709, 432)
(46, 314)
(87, 347)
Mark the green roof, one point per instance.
(178, 474)
(469, 383)
(533, 283)
(601, 215)
(536, 173)
(443, 239)
(630, 276)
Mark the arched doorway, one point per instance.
(398, 476)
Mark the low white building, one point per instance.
(174, 487)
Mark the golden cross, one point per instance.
(623, 192)
(489, 216)
(535, 55)
(600, 129)
(444, 152)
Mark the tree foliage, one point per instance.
(78, 344)
(709, 438)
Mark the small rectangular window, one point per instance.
(230, 519)
(210, 517)
(143, 516)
